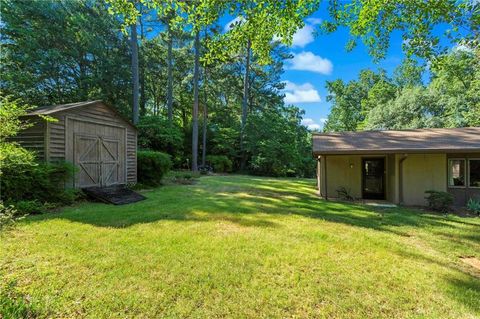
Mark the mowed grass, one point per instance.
(243, 247)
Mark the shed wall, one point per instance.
(33, 138)
(95, 113)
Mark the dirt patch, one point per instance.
(472, 261)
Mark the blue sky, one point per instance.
(320, 58)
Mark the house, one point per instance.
(91, 135)
(399, 166)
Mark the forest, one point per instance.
(208, 93)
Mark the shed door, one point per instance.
(98, 153)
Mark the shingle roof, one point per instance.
(449, 140)
(45, 110)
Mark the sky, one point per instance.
(322, 57)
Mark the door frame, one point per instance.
(384, 176)
(69, 142)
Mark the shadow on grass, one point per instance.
(247, 201)
(255, 202)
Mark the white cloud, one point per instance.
(304, 35)
(312, 125)
(230, 24)
(303, 93)
(314, 21)
(307, 61)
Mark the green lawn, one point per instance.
(242, 247)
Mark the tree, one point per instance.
(79, 54)
(372, 22)
(196, 72)
(11, 112)
(135, 78)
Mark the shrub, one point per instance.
(158, 134)
(44, 183)
(152, 166)
(345, 193)
(473, 205)
(182, 177)
(439, 201)
(7, 216)
(220, 163)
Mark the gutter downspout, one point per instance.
(400, 178)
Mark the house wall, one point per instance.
(422, 172)
(341, 171)
(463, 194)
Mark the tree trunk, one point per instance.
(170, 74)
(205, 114)
(143, 98)
(134, 47)
(245, 106)
(195, 105)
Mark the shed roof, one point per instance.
(448, 140)
(51, 109)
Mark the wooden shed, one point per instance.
(92, 135)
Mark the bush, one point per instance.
(345, 193)
(158, 134)
(473, 205)
(40, 183)
(152, 166)
(182, 177)
(439, 201)
(220, 163)
(7, 216)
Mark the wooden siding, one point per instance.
(33, 138)
(131, 155)
(96, 113)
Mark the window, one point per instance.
(474, 172)
(456, 173)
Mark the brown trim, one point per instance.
(396, 151)
(362, 168)
(325, 169)
(400, 178)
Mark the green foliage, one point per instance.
(157, 134)
(11, 153)
(260, 22)
(8, 216)
(220, 163)
(375, 101)
(79, 54)
(39, 183)
(152, 166)
(278, 144)
(439, 201)
(182, 177)
(373, 22)
(473, 205)
(345, 193)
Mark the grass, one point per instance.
(242, 247)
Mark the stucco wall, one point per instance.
(340, 173)
(423, 172)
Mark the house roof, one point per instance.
(448, 140)
(51, 109)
